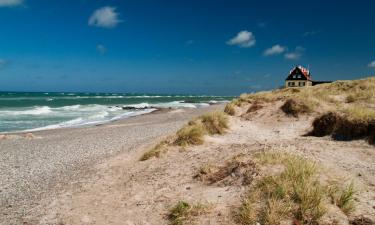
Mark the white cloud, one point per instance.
(243, 39)
(372, 64)
(105, 17)
(10, 3)
(101, 49)
(274, 50)
(296, 54)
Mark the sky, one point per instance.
(211, 47)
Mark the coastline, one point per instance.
(41, 129)
(35, 167)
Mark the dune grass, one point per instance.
(346, 109)
(333, 96)
(343, 196)
(215, 122)
(295, 192)
(192, 133)
(229, 109)
(209, 123)
(156, 151)
(358, 124)
(183, 213)
(295, 108)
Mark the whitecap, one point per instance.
(35, 111)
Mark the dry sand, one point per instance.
(124, 190)
(34, 167)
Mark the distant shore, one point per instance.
(34, 166)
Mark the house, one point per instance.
(301, 77)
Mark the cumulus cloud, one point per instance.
(372, 64)
(105, 17)
(10, 3)
(101, 49)
(243, 39)
(296, 54)
(274, 50)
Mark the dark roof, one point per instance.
(299, 70)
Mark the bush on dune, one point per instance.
(184, 213)
(229, 109)
(325, 124)
(156, 151)
(352, 125)
(295, 192)
(214, 122)
(190, 135)
(209, 123)
(295, 107)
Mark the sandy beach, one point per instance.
(34, 167)
(207, 174)
(124, 190)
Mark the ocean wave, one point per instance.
(53, 115)
(34, 111)
(100, 115)
(70, 107)
(99, 118)
(175, 104)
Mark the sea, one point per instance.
(33, 111)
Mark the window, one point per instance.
(299, 76)
(291, 84)
(294, 76)
(301, 84)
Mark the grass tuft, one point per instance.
(296, 192)
(229, 109)
(345, 127)
(190, 135)
(157, 150)
(295, 107)
(183, 213)
(343, 197)
(209, 123)
(215, 122)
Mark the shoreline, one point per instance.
(35, 168)
(42, 129)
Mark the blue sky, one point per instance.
(195, 46)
